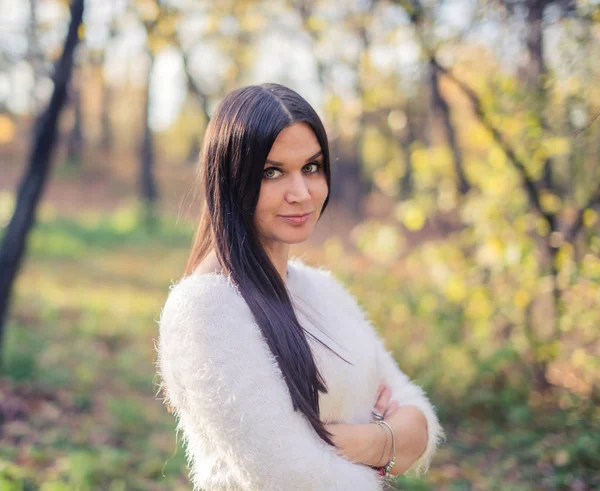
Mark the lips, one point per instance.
(296, 216)
(296, 219)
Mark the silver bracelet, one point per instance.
(385, 443)
(389, 466)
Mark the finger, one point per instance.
(382, 396)
(384, 400)
(391, 409)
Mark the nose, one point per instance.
(298, 190)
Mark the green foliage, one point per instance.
(82, 324)
(22, 348)
(61, 238)
(70, 337)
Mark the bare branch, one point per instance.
(518, 164)
(587, 126)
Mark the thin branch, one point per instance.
(575, 227)
(305, 11)
(519, 165)
(587, 126)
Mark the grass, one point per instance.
(79, 406)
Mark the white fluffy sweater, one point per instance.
(231, 401)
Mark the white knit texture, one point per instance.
(231, 402)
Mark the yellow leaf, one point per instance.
(590, 217)
(387, 242)
(212, 25)
(382, 243)
(7, 129)
(148, 11)
(157, 44)
(400, 313)
(491, 252)
(542, 227)
(556, 146)
(253, 22)
(496, 157)
(550, 202)
(411, 216)
(419, 159)
(579, 357)
(573, 85)
(456, 290)
(564, 256)
(316, 23)
(479, 306)
(385, 181)
(522, 298)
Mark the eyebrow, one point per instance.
(279, 164)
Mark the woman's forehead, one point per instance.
(297, 141)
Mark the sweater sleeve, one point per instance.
(408, 393)
(404, 391)
(231, 400)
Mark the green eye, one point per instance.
(268, 174)
(316, 167)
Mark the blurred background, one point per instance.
(465, 137)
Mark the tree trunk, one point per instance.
(441, 109)
(75, 140)
(196, 143)
(106, 140)
(347, 183)
(34, 51)
(148, 189)
(537, 71)
(409, 136)
(32, 185)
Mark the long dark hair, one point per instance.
(237, 142)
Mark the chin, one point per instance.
(298, 241)
(296, 237)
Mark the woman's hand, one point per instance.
(404, 420)
(363, 443)
(383, 405)
(360, 442)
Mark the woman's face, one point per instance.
(293, 183)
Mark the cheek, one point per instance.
(267, 205)
(320, 190)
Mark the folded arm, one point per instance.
(371, 445)
(229, 395)
(408, 393)
(404, 391)
(414, 423)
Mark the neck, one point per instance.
(279, 254)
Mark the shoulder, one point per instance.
(324, 281)
(201, 299)
(311, 276)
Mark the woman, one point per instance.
(263, 401)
